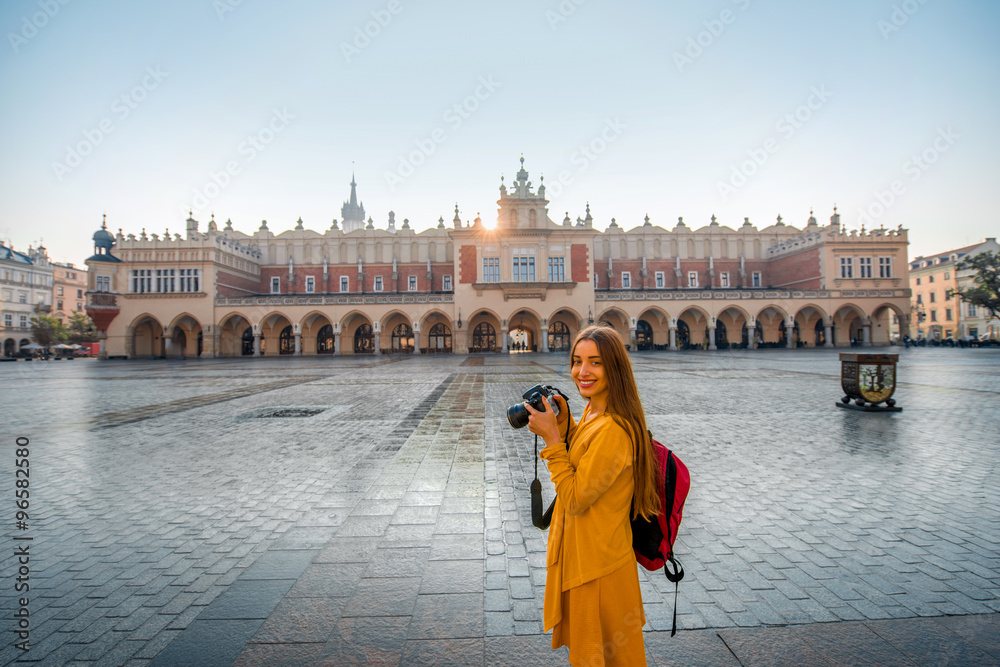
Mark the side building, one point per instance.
(938, 313)
(26, 288)
(519, 282)
(69, 282)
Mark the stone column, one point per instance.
(633, 341)
(168, 346)
(298, 343)
(673, 335)
(102, 337)
(751, 335)
(256, 342)
(790, 332)
(416, 341)
(336, 344)
(711, 338)
(545, 336)
(378, 347)
(827, 332)
(866, 334)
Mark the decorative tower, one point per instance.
(353, 212)
(102, 301)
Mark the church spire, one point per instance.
(353, 211)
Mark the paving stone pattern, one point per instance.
(172, 526)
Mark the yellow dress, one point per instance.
(592, 600)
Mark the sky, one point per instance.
(256, 110)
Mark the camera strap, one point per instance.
(539, 519)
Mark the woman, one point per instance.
(603, 468)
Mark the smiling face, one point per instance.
(589, 375)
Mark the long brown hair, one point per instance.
(625, 408)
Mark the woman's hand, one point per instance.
(545, 424)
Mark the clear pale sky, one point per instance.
(738, 108)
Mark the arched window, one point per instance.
(819, 332)
(484, 338)
(402, 338)
(324, 340)
(364, 339)
(643, 335)
(440, 338)
(247, 342)
(286, 341)
(559, 338)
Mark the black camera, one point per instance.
(518, 415)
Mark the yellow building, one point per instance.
(939, 314)
(517, 281)
(69, 283)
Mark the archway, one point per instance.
(9, 347)
(484, 338)
(286, 341)
(324, 340)
(559, 337)
(147, 338)
(402, 338)
(364, 339)
(643, 335)
(440, 338)
(819, 333)
(721, 335)
(246, 348)
(683, 335)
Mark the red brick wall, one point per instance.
(580, 259)
(235, 281)
(791, 270)
(467, 269)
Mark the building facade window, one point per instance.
(885, 268)
(189, 280)
(491, 269)
(59, 291)
(864, 267)
(8, 320)
(659, 280)
(446, 283)
(557, 269)
(275, 285)
(142, 281)
(930, 278)
(920, 298)
(378, 283)
(22, 297)
(692, 278)
(947, 314)
(59, 304)
(310, 284)
(79, 307)
(103, 283)
(846, 267)
(165, 280)
(947, 275)
(523, 269)
(79, 293)
(933, 297)
(23, 319)
(918, 280)
(756, 278)
(345, 284)
(933, 316)
(626, 280)
(971, 310)
(596, 281)
(724, 279)
(411, 283)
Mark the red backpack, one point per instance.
(653, 539)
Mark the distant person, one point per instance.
(604, 470)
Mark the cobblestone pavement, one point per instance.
(374, 510)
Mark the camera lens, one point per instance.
(518, 415)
